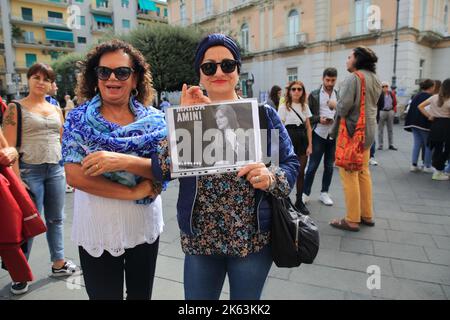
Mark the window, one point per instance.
(125, 3)
(102, 3)
(55, 17)
(81, 39)
(158, 11)
(27, 14)
(446, 16)
(80, 1)
(243, 84)
(81, 20)
(293, 27)
(361, 7)
(292, 74)
(245, 41)
(208, 6)
(165, 12)
(183, 13)
(29, 36)
(126, 24)
(421, 67)
(424, 13)
(30, 59)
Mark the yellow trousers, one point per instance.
(358, 192)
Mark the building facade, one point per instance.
(42, 30)
(284, 40)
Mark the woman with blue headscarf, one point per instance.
(107, 143)
(225, 219)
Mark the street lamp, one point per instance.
(394, 76)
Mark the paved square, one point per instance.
(410, 245)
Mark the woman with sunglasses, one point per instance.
(295, 114)
(107, 144)
(225, 219)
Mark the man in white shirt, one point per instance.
(322, 103)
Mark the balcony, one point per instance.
(358, 30)
(151, 15)
(55, 3)
(206, 15)
(42, 22)
(100, 29)
(44, 44)
(432, 29)
(290, 41)
(235, 5)
(102, 9)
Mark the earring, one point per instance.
(134, 92)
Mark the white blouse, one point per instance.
(103, 224)
(289, 117)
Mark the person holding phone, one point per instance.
(322, 103)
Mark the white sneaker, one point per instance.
(19, 288)
(305, 198)
(373, 162)
(414, 169)
(69, 189)
(440, 176)
(325, 199)
(428, 170)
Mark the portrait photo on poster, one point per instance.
(214, 138)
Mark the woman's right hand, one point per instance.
(193, 96)
(145, 189)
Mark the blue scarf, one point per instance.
(86, 131)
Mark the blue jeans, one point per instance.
(447, 168)
(372, 149)
(420, 142)
(321, 147)
(204, 275)
(47, 183)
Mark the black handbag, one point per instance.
(295, 237)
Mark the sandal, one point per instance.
(367, 223)
(343, 225)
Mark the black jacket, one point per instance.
(415, 118)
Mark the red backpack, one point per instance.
(350, 149)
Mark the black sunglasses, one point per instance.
(227, 66)
(121, 73)
(297, 89)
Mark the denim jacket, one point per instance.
(188, 186)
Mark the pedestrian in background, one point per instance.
(387, 108)
(439, 141)
(295, 114)
(358, 184)
(274, 97)
(420, 125)
(322, 103)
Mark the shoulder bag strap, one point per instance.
(298, 115)
(19, 124)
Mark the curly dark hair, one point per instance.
(366, 59)
(274, 95)
(87, 80)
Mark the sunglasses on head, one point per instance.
(297, 89)
(385, 86)
(121, 73)
(227, 66)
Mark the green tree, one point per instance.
(66, 68)
(170, 51)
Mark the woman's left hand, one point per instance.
(258, 175)
(98, 163)
(8, 156)
(309, 151)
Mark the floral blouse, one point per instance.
(224, 216)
